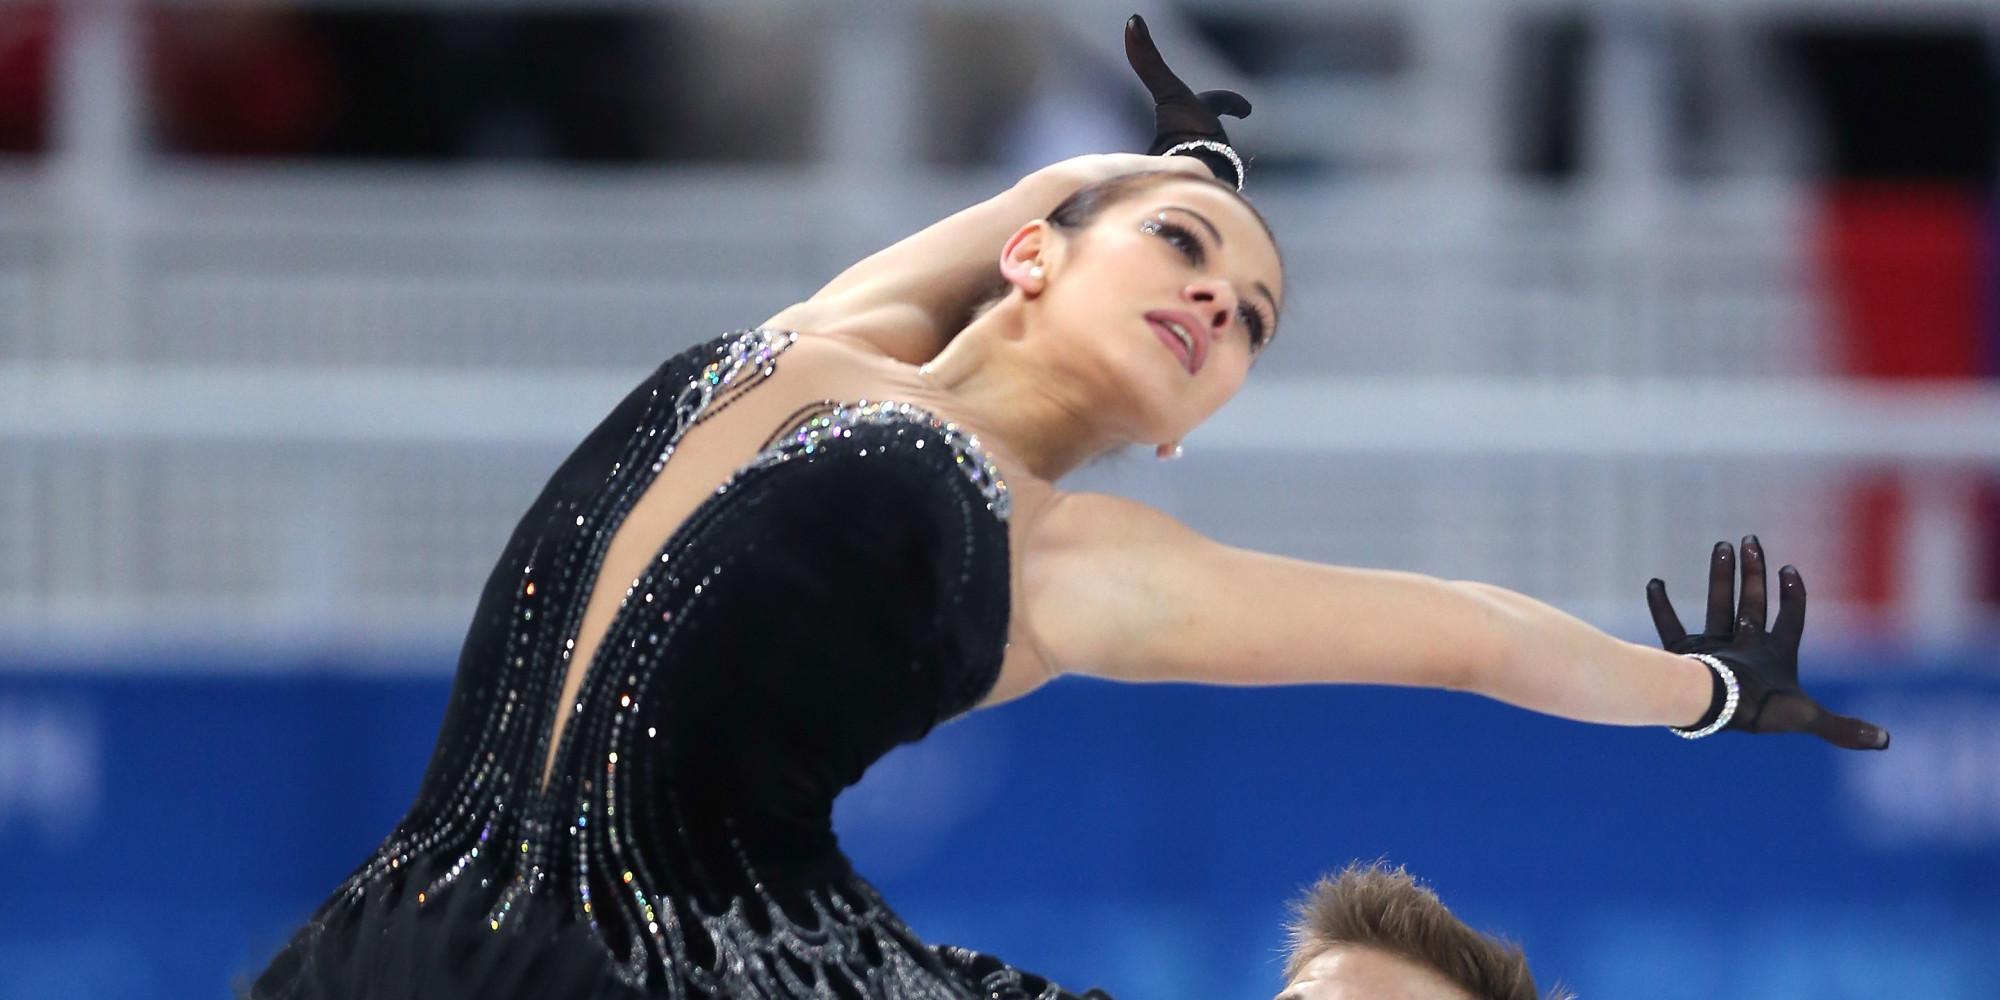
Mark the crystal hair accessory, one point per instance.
(1730, 696)
(1195, 147)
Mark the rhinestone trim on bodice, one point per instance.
(971, 459)
(491, 813)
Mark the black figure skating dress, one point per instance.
(842, 593)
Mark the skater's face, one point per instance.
(1164, 299)
(1349, 972)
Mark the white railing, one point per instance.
(443, 268)
(338, 389)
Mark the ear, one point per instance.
(1024, 260)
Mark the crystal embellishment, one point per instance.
(967, 454)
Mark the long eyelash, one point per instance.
(1190, 246)
(1182, 238)
(1253, 319)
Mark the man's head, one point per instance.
(1372, 933)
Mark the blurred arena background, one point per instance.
(299, 303)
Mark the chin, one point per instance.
(1161, 398)
(1145, 389)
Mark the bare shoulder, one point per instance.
(1086, 550)
(1049, 529)
(1087, 568)
(891, 329)
(837, 363)
(1080, 522)
(830, 340)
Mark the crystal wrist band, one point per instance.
(1727, 697)
(1198, 147)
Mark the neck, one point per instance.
(1015, 389)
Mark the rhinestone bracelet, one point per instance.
(1730, 694)
(1221, 148)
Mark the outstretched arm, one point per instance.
(911, 298)
(1116, 589)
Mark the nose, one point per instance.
(1214, 299)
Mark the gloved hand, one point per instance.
(1766, 663)
(1179, 114)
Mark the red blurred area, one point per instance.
(1908, 267)
(26, 35)
(239, 81)
(1876, 509)
(1909, 271)
(1988, 516)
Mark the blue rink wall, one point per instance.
(160, 832)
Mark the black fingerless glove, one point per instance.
(1765, 663)
(1181, 117)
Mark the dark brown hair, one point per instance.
(1086, 203)
(1376, 906)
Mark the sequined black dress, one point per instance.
(842, 593)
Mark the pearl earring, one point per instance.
(1168, 452)
(1035, 271)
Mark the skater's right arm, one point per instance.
(911, 298)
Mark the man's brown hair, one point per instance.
(1376, 906)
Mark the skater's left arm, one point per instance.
(1117, 589)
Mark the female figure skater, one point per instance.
(793, 548)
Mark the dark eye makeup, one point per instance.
(1190, 246)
